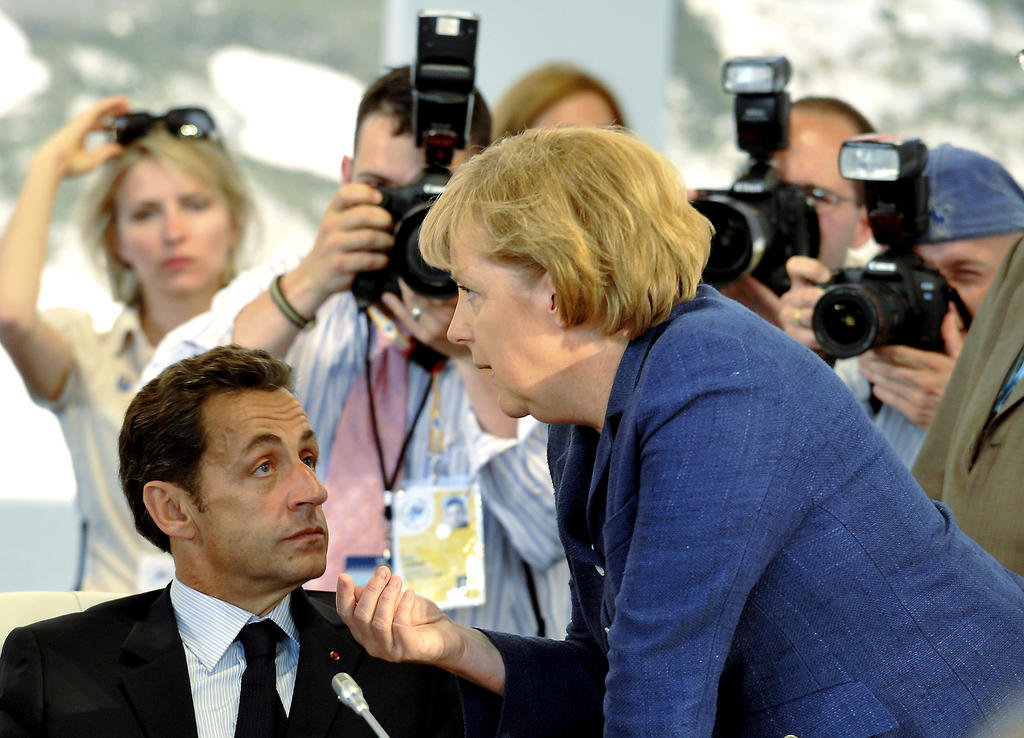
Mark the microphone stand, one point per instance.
(351, 695)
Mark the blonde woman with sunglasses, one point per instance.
(165, 212)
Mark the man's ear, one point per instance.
(863, 227)
(171, 508)
(346, 169)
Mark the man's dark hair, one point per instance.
(392, 95)
(163, 436)
(840, 109)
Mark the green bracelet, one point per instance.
(286, 307)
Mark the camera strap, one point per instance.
(389, 479)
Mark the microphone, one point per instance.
(351, 695)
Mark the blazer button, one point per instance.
(599, 570)
(789, 736)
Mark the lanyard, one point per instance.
(1012, 378)
(389, 479)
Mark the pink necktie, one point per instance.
(355, 488)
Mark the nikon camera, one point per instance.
(896, 298)
(443, 98)
(760, 221)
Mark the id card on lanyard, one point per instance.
(437, 541)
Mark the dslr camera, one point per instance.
(896, 298)
(442, 95)
(760, 221)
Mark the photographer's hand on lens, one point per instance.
(354, 236)
(912, 380)
(796, 307)
(430, 323)
(67, 150)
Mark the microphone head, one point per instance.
(348, 691)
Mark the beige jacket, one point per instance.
(974, 463)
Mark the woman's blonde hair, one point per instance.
(541, 89)
(601, 212)
(203, 159)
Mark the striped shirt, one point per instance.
(518, 500)
(901, 432)
(215, 660)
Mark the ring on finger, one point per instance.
(416, 312)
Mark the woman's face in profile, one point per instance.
(510, 326)
(580, 109)
(173, 231)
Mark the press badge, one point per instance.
(438, 540)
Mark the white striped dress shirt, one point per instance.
(519, 507)
(215, 660)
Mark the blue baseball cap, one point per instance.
(969, 196)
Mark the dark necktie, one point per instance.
(260, 713)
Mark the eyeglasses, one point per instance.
(827, 198)
(186, 123)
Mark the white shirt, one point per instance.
(215, 660)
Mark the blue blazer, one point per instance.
(749, 557)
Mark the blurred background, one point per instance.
(283, 81)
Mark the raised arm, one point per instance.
(353, 236)
(41, 354)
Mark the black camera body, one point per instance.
(896, 298)
(892, 300)
(443, 98)
(760, 221)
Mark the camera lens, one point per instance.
(739, 240)
(850, 319)
(409, 264)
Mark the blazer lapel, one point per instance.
(325, 648)
(626, 378)
(154, 673)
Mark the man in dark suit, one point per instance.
(218, 464)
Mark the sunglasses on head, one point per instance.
(186, 123)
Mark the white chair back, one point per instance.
(22, 608)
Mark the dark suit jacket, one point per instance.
(969, 460)
(118, 669)
(750, 558)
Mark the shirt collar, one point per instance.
(208, 626)
(128, 333)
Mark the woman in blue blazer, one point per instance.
(748, 556)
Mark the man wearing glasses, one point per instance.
(817, 128)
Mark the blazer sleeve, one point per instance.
(21, 686)
(552, 688)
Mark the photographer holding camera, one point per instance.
(790, 199)
(817, 128)
(448, 421)
(975, 213)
